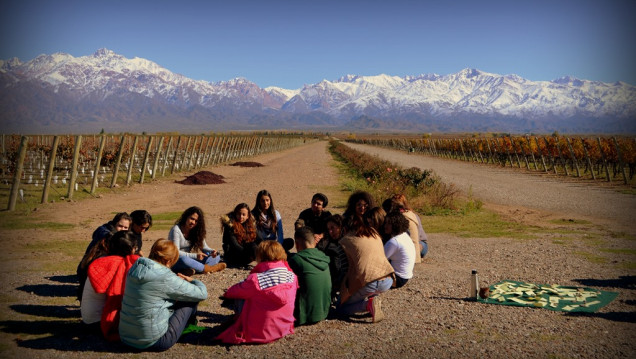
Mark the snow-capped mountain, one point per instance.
(59, 92)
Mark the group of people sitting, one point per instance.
(341, 264)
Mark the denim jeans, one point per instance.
(424, 246)
(184, 313)
(358, 302)
(186, 262)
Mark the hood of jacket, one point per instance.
(108, 274)
(315, 258)
(274, 280)
(146, 269)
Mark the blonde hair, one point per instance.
(270, 251)
(164, 251)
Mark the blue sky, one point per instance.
(292, 43)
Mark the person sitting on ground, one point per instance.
(369, 273)
(188, 234)
(141, 222)
(332, 248)
(359, 202)
(316, 216)
(104, 287)
(375, 219)
(311, 266)
(422, 237)
(269, 223)
(264, 300)
(158, 304)
(394, 205)
(239, 236)
(399, 249)
(97, 246)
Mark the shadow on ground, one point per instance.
(626, 282)
(50, 290)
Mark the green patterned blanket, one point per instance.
(553, 297)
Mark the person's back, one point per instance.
(311, 266)
(267, 296)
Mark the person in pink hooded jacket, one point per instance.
(265, 299)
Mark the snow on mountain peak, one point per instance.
(104, 52)
(469, 91)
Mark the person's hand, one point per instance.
(201, 256)
(214, 253)
(141, 254)
(184, 277)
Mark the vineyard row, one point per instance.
(599, 158)
(64, 163)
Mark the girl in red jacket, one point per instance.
(265, 299)
(104, 289)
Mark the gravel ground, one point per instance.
(429, 317)
(520, 188)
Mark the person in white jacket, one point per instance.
(195, 256)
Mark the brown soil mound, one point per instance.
(247, 164)
(203, 177)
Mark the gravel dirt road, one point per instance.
(430, 317)
(512, 188)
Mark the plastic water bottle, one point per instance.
(474, 285)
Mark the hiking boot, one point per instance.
(188, 272)
(215, 268)
(374, 308)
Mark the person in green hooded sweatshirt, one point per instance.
(311, 266)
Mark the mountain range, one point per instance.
(60, 93)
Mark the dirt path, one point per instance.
(430, 317)
(506, 187)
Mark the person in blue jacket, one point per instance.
(158, 304)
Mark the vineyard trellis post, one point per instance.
(514, 149)
(165, 157)
(587, 157)
(545, 168)
(98, 161)
(76, 154)
(561, 156)
(604, 161)
(157, 156)
(49, 171)
(620, 160)
(145, 160)
(131, 161)
(176, 154)
(189, 160)
(15, 186)
(120, 153)
(574, 161)
(534, 160)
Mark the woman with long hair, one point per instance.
(105, 283)
(399, 248)
(399, 203)
(239, 236)
(195, 256)
(269, 224)
(357, 205)
(97, 247)
(330, 244)
(369, 273)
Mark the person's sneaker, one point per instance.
(214, 268)
(375, 309)
(188, 272)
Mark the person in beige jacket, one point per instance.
(369, 272)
